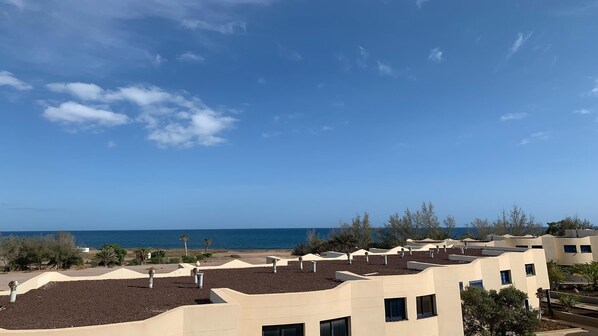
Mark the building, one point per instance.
(393, 292)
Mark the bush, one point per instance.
(174, 260)
(568, 301)
(189, 259)
(208, 254)
(200, 257)
(236, 256)
(158, 257)
(134, 262)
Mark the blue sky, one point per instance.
(260, 113)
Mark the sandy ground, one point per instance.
(218, 258)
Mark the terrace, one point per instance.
(94, 302)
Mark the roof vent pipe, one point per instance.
(367, 257)
(462, 250)
(410, 253)
(13, 290)
(301, 263)
(151, 277)
(385, 259)
(199, 280)
(402, 252)
(444, 246)
(274, 265)
(349, 258)
(431, 253)
(313, 266)
(194, 274)
(437, 249)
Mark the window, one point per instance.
(521, 246)
(505, 277)
(395, 309)
(570, 248)
(585, 248)
(338, 327)
(537, 246)
(526, 303)
(426, 306)
(530, 269)
(283, 330)
(477, 283)
(460, 285)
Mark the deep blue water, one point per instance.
(234, 239)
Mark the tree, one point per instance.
(106, 256)
(496, 313)
(482, 228)
(120, 252)
(588, 271)
(556, 275)
(391, 233)
(516, 223)
(426, 219)
(63, 251)
(450, 224)
(568, 223)
(206, 243)
(185, 239)
(362, 230)
(10, 249)
(141, 254)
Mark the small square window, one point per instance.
(585, 248)
(477, 283)
(537, 247)
(505, 277)
(395, 309)
(530, 269)
(426, 306)
(570, 248)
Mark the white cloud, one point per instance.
(20, 4)
(84, 91)
(111, 144)
(327, 128)
(385, 69)
(538, 136)
(268, 135)
(420, 3)
(88, 116)
(262, 81)
(223, 28)
(435, 55)
(288, 54)
(519, 42)
(8, 79)
(513, 116)
(582, 111)
(172, 119)
(191, 57)
(158, 60)
(594, 91)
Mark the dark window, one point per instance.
(283, 330)
(395, 309)
(530, 269)
(570, 248)
(460, 285)
(477, 283)
(426, 306)
(522, 246)
(526, 303)
(505, 277)
(338, 327)
(585, 248)
(537, 246)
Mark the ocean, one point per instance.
(231, 239)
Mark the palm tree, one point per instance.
(141, 254)
(206, 242)
(588, 271)
(106, 256)
(185, 239)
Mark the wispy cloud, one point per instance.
(420, 3)
(268, 135)
(20, 4)
(72, 113)
(262, 81)
(8, 79)
(513, 116)
(289, 54)
(111, 144)
(538, 136)
(385, 69)
(327, 128)
(158, 60)
(519, 42)
(582, 111)
(191, 57)
(223, 28)
(172, 119)
(594, 90)
(435, 55)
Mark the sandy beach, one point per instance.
(219, 257)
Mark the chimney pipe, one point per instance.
(151, 277)
(301, 263)
(199, 280)
(313, 266)
(13, 290)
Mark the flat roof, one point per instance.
(94, 302)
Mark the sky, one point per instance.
(159, 114)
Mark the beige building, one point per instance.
(393, 293)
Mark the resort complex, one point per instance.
(401, 291)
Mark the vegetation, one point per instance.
(556, 275)
(22, 253)
(496, 313)
(120, 252)
(158, 257)
(568, 301)
(141, 255)
(206, 243)
(588, 271)
(189, 259)
(185, 239)
(106, 256)
(568, 223)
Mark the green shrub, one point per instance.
(236, 256)
(189, 259)
(568, 301)
(208, 254)
(174, 260)
(134, 262)
(200, 257)
(158, 257)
